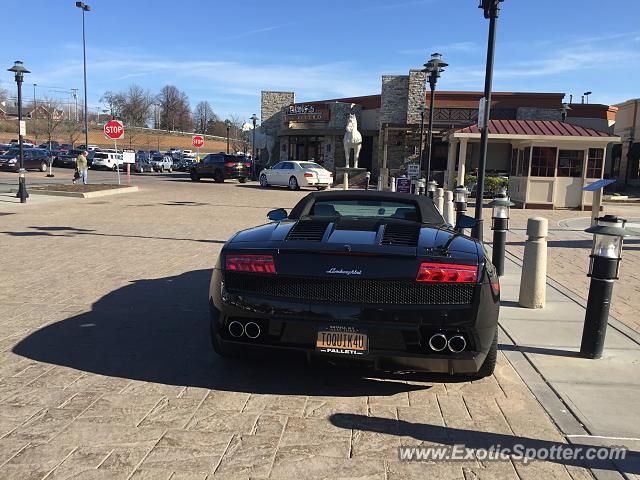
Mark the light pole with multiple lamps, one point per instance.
(434, 67)
(500, 226)
(19, 71)
(254, 120)
(491, 9)
(606, 251)
(228, 125)
(85, 8)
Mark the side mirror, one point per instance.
(465, 221)
(277, 214)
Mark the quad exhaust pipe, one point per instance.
(439, 341)
(238, 329)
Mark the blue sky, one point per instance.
(227, 51)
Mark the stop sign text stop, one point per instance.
(197, 141)
(113, 129)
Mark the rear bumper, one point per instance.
(235, 174)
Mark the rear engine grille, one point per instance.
(308, 230)
(397, 234)
(349, 290)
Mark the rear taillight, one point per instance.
(447, 273)
(250, 263)
(229, 164)
(308, 175)
(247, 164)
(330, 174)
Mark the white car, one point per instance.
(296, 174)
(107, 160)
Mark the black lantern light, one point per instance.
(254, 172)
(605, 257)
(432, 186)
(19, 71)
(460, 194)
(500, 215)
(227, 122)
(433, 68)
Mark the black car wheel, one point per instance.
(489, 364)
(114, 168)
(194, 176)
(242, 180)
(170, 170)
(293, 184)
(263, 181)
(43, 167)
(321, 188)
(218, 177)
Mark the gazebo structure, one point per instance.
(548, 162)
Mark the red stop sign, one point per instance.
(197, 141)
(114, 129)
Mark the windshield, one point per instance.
(311, 165)
(366, 209)
(100, 155)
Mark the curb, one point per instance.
(98, 193)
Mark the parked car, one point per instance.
(221, 167)
(294, 175)
(34, 159)
(106, 161)
(409, 292)
(52, 145)
(182, 165)
(142, 165)
(161, 163)
(89, 147)
(4, 147)
(67, 159)
(26, 143)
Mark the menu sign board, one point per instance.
(301, 112)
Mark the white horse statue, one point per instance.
(352, 139)
(266, 142)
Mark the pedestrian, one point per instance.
(82, 167)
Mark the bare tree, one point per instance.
(175, 113)
(204, 117)
(53, 116)
(72, 131)
(3, 97)
(133, 106)
(238, 138)
(115, 101)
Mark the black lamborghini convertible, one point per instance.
(376, 277)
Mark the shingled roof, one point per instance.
(536, 127)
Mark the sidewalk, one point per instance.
(591, 401)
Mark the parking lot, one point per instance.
(106, 369)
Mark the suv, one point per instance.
(107, 160)
(220, 167)
(34, 158)
(161, 162)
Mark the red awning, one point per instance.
(536, 127)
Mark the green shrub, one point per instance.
(492, 185)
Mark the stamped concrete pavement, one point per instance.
(106, 369)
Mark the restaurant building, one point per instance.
(390, 126)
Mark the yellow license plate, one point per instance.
(342, 340)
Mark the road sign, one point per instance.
(197, 141)
(403, 185)
(23, 128)
(481, 109)
(413, 170)
(599, 184)
(114, 129)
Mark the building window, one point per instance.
(594, 162)
(570, 163)
(523, 162)
(306, 148)
(514, 162)
(543, 161)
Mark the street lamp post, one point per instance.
(254, 119)
(19, 70)
(421, 109)
(85, 8)
(460, 203)
(500, 226)
(491, 9)
(228, 125)
(432, 186)
(35, 119)
(603, 270)
(565, 111)
(434, 68)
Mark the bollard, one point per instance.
(439, 199)
(345, 183)
(533, 282)
(393, 184)
(448, 213)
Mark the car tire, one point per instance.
(263, 181)
(170, 170)
(242, 180)
(321, 188)
(489, 365)
(43, 167)
(194, 176)
(293, 184)
(114, 168)
(218, 177)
